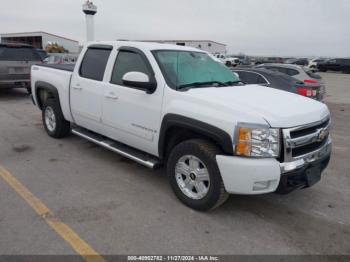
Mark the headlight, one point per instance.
(257, 141)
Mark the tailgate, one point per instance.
(15, 70)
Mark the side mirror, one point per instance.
(140, 81)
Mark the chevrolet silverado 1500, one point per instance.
(172, 106)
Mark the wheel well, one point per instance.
(175, 135)
(42, 94)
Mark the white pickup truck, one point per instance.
(172, 106)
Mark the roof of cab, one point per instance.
(146, 45)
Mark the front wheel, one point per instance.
(55, 124)
(194, 175)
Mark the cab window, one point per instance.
(94, 63)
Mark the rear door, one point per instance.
(86, 91)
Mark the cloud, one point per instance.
(270, 27)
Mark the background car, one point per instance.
(15, 63)
(61, 59)
(227, 60)
(267, 60)
(339, 64)
(297, 61)
(314, 62)
(298, 72)
(243, 59)
(278, 80)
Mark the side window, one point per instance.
(248, 77)
(128, 61)
(260, 80)
(292, 72)
(242, 76)
(94, 63)
(280, 69)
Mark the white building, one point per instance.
(41, 40)
(206, 45)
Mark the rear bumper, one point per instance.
(252, 176)
(14, 83)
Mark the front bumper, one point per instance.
(252, 176)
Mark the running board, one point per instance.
(124, 150)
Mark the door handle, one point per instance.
(112, 95)
(78, 87)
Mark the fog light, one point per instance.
(262, 185)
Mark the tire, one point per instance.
(29, 90)
(205, 153)
(228, 63)
(54, 123)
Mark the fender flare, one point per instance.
(221, 137)
(44, 85)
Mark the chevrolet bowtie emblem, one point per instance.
(322, 135)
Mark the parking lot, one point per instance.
(120, 207)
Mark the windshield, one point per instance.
(192, 69)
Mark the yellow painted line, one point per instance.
(72, 238)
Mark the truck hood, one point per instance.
(278, 108)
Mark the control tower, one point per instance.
(90, 10)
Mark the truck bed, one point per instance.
(57, 77)
(65, 67)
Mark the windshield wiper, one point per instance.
(233, 83)
(202, 84)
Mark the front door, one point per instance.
(131, 115)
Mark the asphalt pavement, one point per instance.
(117, 206)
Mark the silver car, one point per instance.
(15, 63)
(307, 77)
(292, 70)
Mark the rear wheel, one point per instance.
(55, 124)
(194, 175)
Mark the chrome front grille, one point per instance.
(304, 140)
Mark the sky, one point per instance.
(253, 27)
